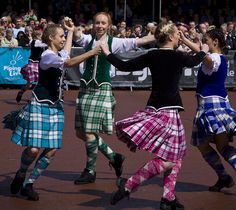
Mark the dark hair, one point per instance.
(23, 39)
(217, 34)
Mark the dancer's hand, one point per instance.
(105, 49)
(68, 24)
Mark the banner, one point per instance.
(11, 62)
(143, 77)
(12, 59)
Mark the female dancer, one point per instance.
(30, 71)
(158, 129)
(95, 102)
(40, 123)
(215, 120)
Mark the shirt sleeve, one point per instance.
(39, 43)
(120, 45)
(50, 59)
(216, 63)
(84, 40)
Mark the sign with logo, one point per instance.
(11, 62)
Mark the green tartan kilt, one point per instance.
(95, 109)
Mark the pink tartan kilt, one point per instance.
(160, 132)
(30, 72)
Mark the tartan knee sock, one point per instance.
(169, 181)
(26, 161)
(41, 164)
(213, 159)
(91, 151)
(229, 155)
(149, 170)
(105, 149)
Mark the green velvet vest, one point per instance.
(101, 73)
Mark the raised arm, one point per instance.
(193, 46)
(69, 26)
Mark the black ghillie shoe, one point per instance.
(28, 191)
(171, 205)
(85, 177)
(17, 183)
(19, 96)
(221, 183)
(117, 164)
(120, 193)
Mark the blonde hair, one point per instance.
(163, 32)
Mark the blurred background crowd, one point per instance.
(18, 20)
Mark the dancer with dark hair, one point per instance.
(30, 71)
(215, 120)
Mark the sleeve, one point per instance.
(215, 57)
(49, 60)
(121, 45)
(84, 40)
(39, 43)
(192, 60)
(131, 65)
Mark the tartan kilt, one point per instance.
(30, 71)
(95, 109)
(39, 125)
(214, 116)
(157, 131)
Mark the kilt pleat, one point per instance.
(214, 116)
(160, 132)
(95, 109)
(39, 125)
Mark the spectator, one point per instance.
(128, 32)
(23, 39)
(29, 32)
(30, 15)
(4, 22)
(9, 40)
(18, 27)
(137, 32)
(231, 36)
(1, 37)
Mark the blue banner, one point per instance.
(11, 62)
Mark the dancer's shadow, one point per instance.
(103, 201)
(70, 176)
(5, 184)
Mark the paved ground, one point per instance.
(56, 188)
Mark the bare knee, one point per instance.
(33, 151)
(168, 165)
(85, 136)
(50, 152)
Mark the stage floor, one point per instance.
(56, 188)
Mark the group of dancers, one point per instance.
(156, 129)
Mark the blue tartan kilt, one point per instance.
(39, 125)
(214, 116)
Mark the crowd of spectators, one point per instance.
(16, 27)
